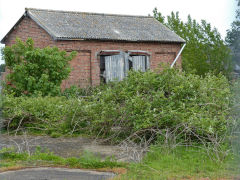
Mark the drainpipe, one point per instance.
(175, 60)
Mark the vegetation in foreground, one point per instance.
(159, 163)
(169, 109)
(142, 103)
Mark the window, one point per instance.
(114, 65)
(139, 63)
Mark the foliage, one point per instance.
(2, 68)
(205, 50)
(35, 71)
(233, 37)
(43, 113)
(162, 101)
(166, 101)
(74, 92)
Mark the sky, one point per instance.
(219, 13)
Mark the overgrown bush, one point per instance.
(45, 114)
(35, 71)
(192, 107)
(150, 100)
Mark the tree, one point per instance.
(2, 68)
(205, 50)
(233, 37)
(35, 71)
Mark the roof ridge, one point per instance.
(106, 27)
(90, 13)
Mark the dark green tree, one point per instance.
(233, 37)
(2, 68)
(205, 50)
(35, 71)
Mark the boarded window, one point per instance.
(114, 67)
(139, 63)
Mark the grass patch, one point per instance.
(86, 160)
(180, 163)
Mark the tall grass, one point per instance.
(180, 163)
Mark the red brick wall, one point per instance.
(85, 66)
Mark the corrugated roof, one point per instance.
(68, 25)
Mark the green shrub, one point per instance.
(35, 71)
(39, 113)
(160, 101)
(144, 101)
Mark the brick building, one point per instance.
(108, 45)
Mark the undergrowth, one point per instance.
(166, 101)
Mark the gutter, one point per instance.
(175, 60)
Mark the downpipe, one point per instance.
(175, 60)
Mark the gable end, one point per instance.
(27, 15)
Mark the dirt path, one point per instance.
(62, 146)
